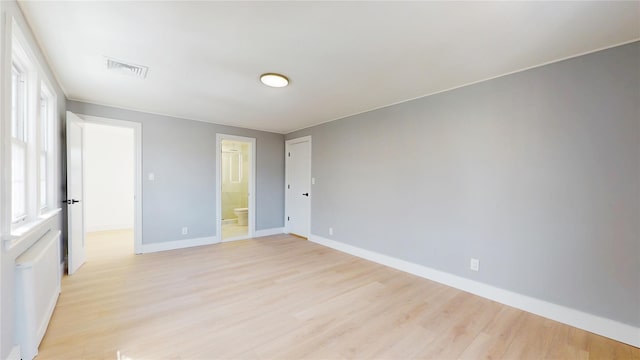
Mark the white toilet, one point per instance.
(242, 214)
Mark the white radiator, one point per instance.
(37, 290)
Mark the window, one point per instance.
(45, 120)
(32, 157)
(18, 145)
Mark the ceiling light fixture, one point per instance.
(274, 80)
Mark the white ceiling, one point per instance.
(343, 58)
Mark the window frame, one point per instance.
(20, 62)
(39, 138)
(46, 146)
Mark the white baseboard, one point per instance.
(178, 244)
(606, 327)
(95, 228)
(269, 232)
(15, 353)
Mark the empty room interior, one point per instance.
(319, 180)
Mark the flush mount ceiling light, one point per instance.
(274, 80)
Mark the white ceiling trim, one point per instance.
(373, 109)
(343, 58)
(472, 83)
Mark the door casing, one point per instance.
(137, 138)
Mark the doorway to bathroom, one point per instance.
(235, 172)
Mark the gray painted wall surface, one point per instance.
(537, 174)
(182, 155)
(10, 9)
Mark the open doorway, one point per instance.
(77, 159)
(236, 179)
(109, 188)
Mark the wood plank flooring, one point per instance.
(282, 297)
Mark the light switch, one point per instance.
(313, 181)
(152, 176)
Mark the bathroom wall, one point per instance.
(234, 194)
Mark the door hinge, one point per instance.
(288, 218)
(289, 154)
(289, 186)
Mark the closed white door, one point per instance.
(75, 190)
(298, 189)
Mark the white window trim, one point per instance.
(21, 218)
(21, 63)
(37, 80)
(51, 202)
(5, 131)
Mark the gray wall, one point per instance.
(537, 174)
(182, 155)
(7, 258)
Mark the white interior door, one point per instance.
(76, 253)
(298, 189)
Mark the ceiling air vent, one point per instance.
(127, 68)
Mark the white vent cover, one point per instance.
(127, 68)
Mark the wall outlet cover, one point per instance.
(474, 264)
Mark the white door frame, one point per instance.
(287, 148)
(252, 185)
(137, 172)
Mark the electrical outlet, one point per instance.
(474, 264)
(185, 230)
(330, 231)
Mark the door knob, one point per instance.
(71, 202)
(306, 194)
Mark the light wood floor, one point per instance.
(234, 230)
(282, 297)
